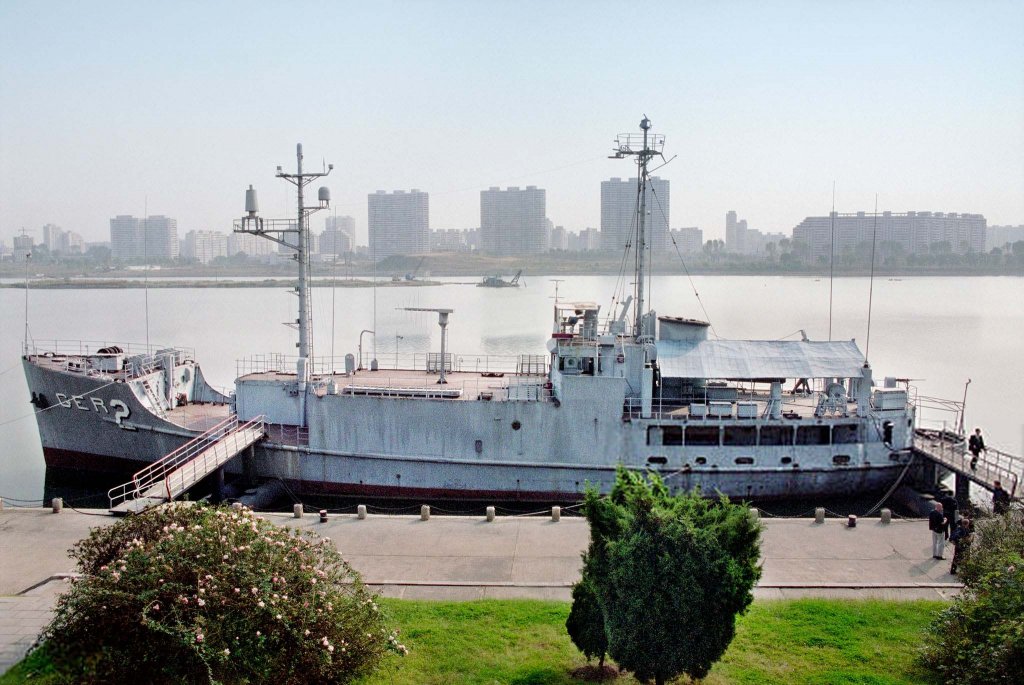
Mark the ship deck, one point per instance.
(414, 384)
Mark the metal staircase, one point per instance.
(154, 400)
(172, 475)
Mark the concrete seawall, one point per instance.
(462, 558)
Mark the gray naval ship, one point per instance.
(747, 418)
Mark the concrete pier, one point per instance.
(465, 558)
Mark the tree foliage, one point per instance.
(197, 594)
(979, 639)
(669, 574)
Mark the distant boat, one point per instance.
(498, 282)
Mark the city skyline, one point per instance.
(467, 97)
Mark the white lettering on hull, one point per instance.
(120, 409)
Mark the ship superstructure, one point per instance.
(748, 418)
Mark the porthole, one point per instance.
(787, 460)
(700, 461)
(516, 425)
(744, 460)
(657, 460)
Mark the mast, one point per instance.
(278, 230)
(643, 147)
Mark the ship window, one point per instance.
(739, 435)
(812, 435)
(744, 460)
(700, 461)
(479, 446)
(841, 459)
(776, 435)
(845, 434)
(516, 425)
(787, 460)
(657, 460)
(702, 435)
(671, 435)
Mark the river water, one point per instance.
(937, 331)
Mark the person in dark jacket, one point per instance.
(937, 525)
(949, 510)
(961, 537)
(1000, 499)
(976, 445)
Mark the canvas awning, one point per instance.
(750, 359)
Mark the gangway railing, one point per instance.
(949, 449)
(174, 473)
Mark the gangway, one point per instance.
(172, 475)
(949, 450)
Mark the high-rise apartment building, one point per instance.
(913, 232)
(154, 237)
(250, 245)
(619, 206)
(204, 246)
(1002, 236)
(399, 223)
(690, 240)
(514, 221)
(339, 236)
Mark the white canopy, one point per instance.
(749, 359)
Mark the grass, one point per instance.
(801, 642)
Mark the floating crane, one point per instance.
(498, 282)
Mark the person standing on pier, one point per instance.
(937, 525)
(949, 509)
(1000, 499)
(976, 445)
(961, 539)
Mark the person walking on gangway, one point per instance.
(976, 445)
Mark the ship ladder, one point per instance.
(172, 475)
(158, 407)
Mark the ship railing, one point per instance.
(534, 365)
(792, 406)
(524, 388)
(160, 470)
(90, 347)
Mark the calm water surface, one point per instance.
(937, 331)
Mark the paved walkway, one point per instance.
(461, 558)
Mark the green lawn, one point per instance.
(812, 642)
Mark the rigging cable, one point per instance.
(685, 269)
(832, 258)
(871, 286)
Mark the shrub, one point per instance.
(585, 623)
(191, 593)
(670, 573)
(979, 639)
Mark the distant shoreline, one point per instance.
(178, 279)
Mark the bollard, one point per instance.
(490, 513)
(425, 512)
(754, 514)
(886, 515)
(323, 516)
(556, 513)
(361, 512)
(851, 521)
(1, 503)
(58, 504)
(819, 515)
(297, 511)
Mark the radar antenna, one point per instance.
(642, 146)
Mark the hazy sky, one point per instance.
(108, 107)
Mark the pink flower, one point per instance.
(199, 637)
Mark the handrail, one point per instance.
(950, 449)
(163, 467)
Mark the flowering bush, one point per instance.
(191, 593)
(979, 639)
